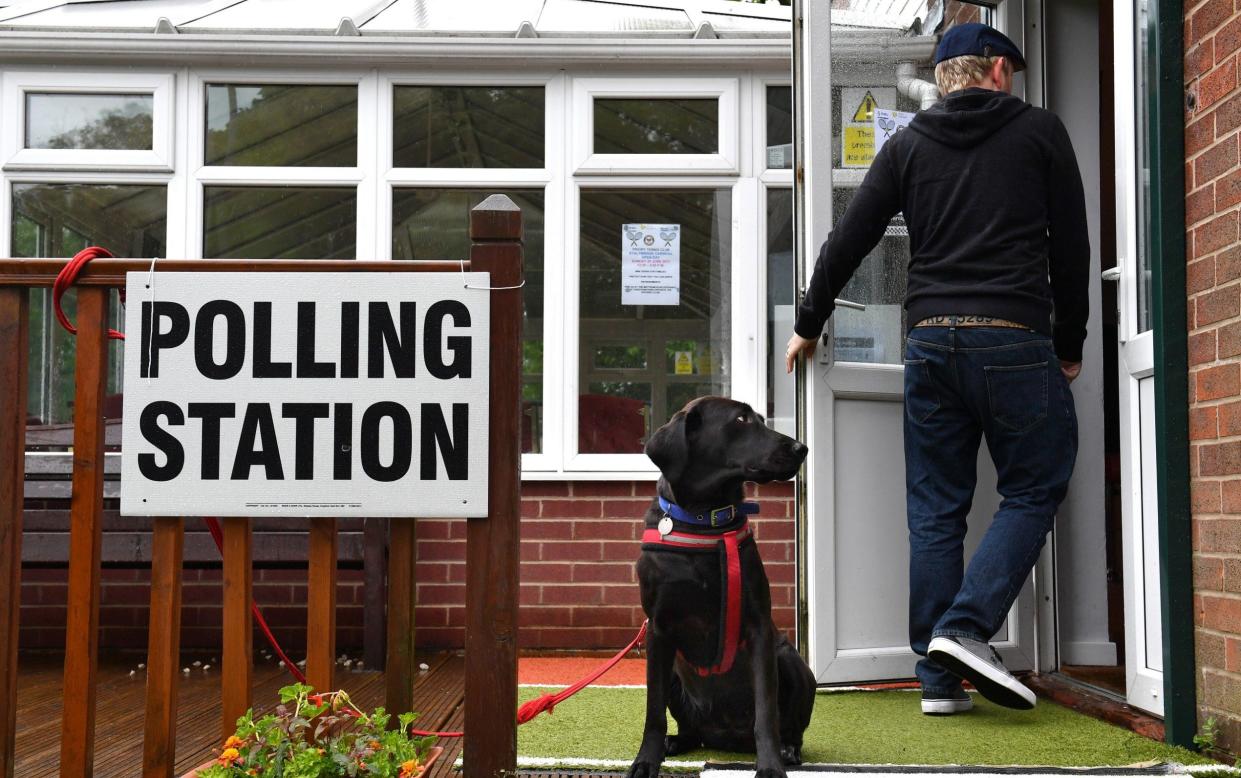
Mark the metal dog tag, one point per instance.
(665, 525)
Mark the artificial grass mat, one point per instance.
(865, 727)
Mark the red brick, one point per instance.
(1216, 84)
(1232, 576)
(1232, 655)
(537, 616)
(626, 510)
(780, 574)
(431, 529)
(1219, 536)
(547, 572)
(1209, 16)
(1220, 458)
(1205, 497)
(1200, 205)
(1203, 423)
(1215, 161)
(621, 595)
(1202, 348)
(1231, 496)
(1216, 234)
(1199, 60)
(441, 550)
(441, 594)
(1221, 614)
(544, 489)
(603, 488)
(605, 573)
(1230, 419)
(1216, 383)
(1218, 305)
(571, 595)
(572, 509)
(530, 509)
(608, 529)
(530, 595)
(1228, 39)
(604, 617)
(775, 530)
(785, 619)
(530, 551)
(572, 551)
(1227, 116)
(456, 573)
(435, 572)
(547, 530)
(620, 551)
(1229, 340)
(1220, 690)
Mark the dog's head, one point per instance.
(715, 442)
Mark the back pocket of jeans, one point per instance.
(921, 399)
(1018, 395)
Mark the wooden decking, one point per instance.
(438, 698)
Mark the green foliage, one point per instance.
(320, 736)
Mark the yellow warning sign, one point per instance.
(866, 109)
(858, 147)
(684, 363)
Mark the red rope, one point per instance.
(547, 703)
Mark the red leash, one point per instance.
(547, 702)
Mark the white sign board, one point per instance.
(323, 394)
(888, 123)
(650, 264)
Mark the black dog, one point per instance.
(748, 692)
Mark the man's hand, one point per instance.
(798, 345)
(1071, 370)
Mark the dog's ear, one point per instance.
(668, 448)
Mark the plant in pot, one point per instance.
(321, 736)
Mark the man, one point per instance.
(996, 308)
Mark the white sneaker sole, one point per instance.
(946, 707)
(991, 682)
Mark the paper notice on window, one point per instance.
(650, 264)
(888, 123)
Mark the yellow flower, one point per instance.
(234, 742)
(228, 756)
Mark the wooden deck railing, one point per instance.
(492, 542)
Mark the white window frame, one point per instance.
(17, 83)
(362, 176)
(550, 178)
(726, 162)
(769, 179)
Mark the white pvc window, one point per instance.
(646, 125)
(87, 121)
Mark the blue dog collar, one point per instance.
(717, 517)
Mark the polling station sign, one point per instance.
(320, 394)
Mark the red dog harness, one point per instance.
(728, 545)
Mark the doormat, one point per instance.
(601, 729)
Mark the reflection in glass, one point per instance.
(467, 127)
(58, 220)
(435, 224)
(876, 334)
(622, 401)
(59, 120)
(779, 127)
(279, 222)
(1145, 223)
(781, 309)
(281, 124)
(662, 126)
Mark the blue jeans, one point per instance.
(961, 384)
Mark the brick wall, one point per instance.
(1213, 205)
(578, 589)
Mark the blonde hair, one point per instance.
(962, 72)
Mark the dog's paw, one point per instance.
(790, 755)
(771, 772)
(680, 744)
(643, 769)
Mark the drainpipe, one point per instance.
(908, 84)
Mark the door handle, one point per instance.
(1111, 274)
(849, 304)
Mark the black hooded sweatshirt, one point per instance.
(993, 200)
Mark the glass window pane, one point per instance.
(467, 127)
(280, 222)
(58, 220)
(779, 127)
(435, 224)
(663, 126)
(876, 334)
(282, 124)
(781, 309)
(89, 121)
(1145, 223)
(672, 352)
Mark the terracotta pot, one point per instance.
(432, 755)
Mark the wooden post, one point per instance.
(14, 344)
(374, 616)
(321, 605)
(400, 669)
(492, 551)
(237, 667)
(159, 743)
(77, 734)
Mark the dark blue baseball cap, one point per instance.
(979, 40)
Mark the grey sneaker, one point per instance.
(978, 663)
(940, 704)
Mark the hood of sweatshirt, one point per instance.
(968, 117)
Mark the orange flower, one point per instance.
(374, 744)
(229, 756)
(234, 742)
(410, 769)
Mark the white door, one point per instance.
(1138, 446)
(857, 548)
